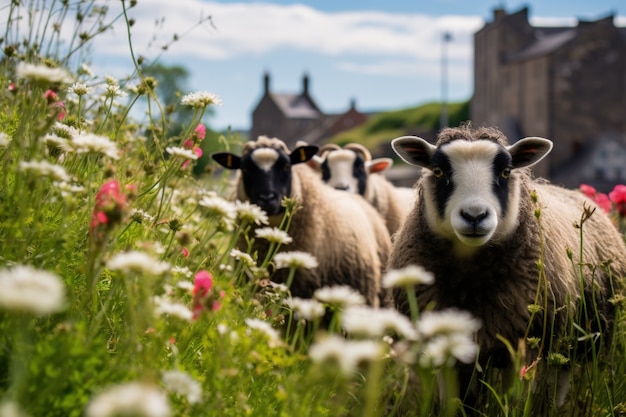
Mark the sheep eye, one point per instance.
(506, 173)
(437, 172)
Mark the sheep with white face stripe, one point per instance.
(352, 169)
(475, 228)
(344, 233)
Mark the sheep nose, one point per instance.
(473, 218)
(266, 197)
(342, 187)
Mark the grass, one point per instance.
(122, 291)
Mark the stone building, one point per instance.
(567, 84)
(296, 116)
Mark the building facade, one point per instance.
(567, 84)
(294, 117)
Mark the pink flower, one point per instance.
(109, 209)
(185, 252)
(588, 190)
(202, 283)
(188, 143)
(200, 131)
(618, 197)
(603, 201)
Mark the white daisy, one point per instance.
(265, 328)
(273, 235)
(306, 309)
(45, 169)
(43, 73)
(242, 256)
(166, 307)
(4, 139)
(407, 277)
(131, 398)
(24, 288)
(200, 99)
(138, 262)
(183, 384)
(340, 296)
(90, 143)
(443, 348)
(183, 153)
(80, 89)
(376, 322)
(449, 321)
(295, 259)
(251, 212)
(348, 354)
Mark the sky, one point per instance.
(384, 55)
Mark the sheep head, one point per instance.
(471, 186)
(265, 171)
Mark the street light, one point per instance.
(443, 121)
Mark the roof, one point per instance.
(547, 42)
(296, 106)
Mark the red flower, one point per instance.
(588, 190)
(109, 209)
(618, 197)
(603, 201)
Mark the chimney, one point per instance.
(266, 82)
(305, 84)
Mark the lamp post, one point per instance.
(443, 120)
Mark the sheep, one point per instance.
(344, 233)
(352, 169)
(477, 228)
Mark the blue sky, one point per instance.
(383, 54)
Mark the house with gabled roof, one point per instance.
(294, 117)
(567, 84)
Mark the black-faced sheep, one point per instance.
(344, 233)
(352, 169)
(475, 227)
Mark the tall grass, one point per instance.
(122, 290)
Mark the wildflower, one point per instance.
(200, 131)
(618, 197)
(113, 90)
(182, 270)
(131, 398)
(43, 73)
(64, 131)
(450, 321)
(24, 288)
(186, 286)
(109, 208)
(295, 259)
(219, 207)
(603, 201)
(251, 213)
(181, 383)
(305, 308)
(202, 284)
(265, 328)
(4, 139)
(110, 80)
(367, 321)
(85, 70)
(442, 348)
(90, 143)
(346, 353)
(165, 306)
(139, 216)
(181, 152)
(200, 99)
(242, 256)
(68, 189)
(340, 296)
(45, 169)
(79, 89)
(273, 235)
(138, 262)
(407, 277)
(588, 190)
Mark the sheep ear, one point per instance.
(303, 154)
(413, 150)
(378, 165)
(316, 163)
(227, 159)
(528, 151)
